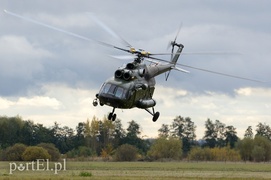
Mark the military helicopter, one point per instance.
(133, 84)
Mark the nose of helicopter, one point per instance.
(112, 101)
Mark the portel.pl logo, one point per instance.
(38, 165)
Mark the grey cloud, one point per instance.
(208, 26)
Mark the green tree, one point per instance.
(88, 133)
(10, 130)
(249, 149)
(33, 153)
(126, 152)
(92, 132)
(225, 154)
(231, 136)
(220, 131)
(81, 152)
(245, 147)
(200, 154)
(214, 154)
(263, 130)
(210, 134)
(106, 132)
(215, 134)
(41, 134)
(118, 134)
(265, 144)
(14, 153)
(178, 127)
(132, 137)
(79, 139)
(107, 152)
(249, 133)
(51, 149)
(84, 151)
(184, 129)
(133, 129)
(164, 148)
(164, 131)
(258, 153)
(62, 138)
(28, 136)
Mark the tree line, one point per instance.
(107, 139)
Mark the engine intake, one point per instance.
(127, 75)
(118, 73)
(130, 66)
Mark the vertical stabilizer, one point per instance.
(178, 52)
(175, 57)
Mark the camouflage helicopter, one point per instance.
(133, 84)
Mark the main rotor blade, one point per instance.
(210, 71)
(211, 53)
(63, 31)
(109, 30)
(123, 57)
(219, 73)
(161, 54)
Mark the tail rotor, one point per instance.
(172, 44)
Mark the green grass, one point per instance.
(147, 170)
(85, 174)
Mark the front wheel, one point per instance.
(155, 116)
(112, 116)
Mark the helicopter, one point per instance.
(133, 84)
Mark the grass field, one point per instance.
(144, 170)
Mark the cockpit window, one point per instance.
(119, 92)
(106, 87)
(114, 90)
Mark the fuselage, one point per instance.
(132, 86)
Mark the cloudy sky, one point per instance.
(48, 76)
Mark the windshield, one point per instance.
(114, 90)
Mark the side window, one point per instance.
(119, 92)
(111, 89)
(106, 88)
(124, 94)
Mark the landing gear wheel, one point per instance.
(110, 115)
(155, 116)
(114, 117)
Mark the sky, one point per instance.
(47, 76)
